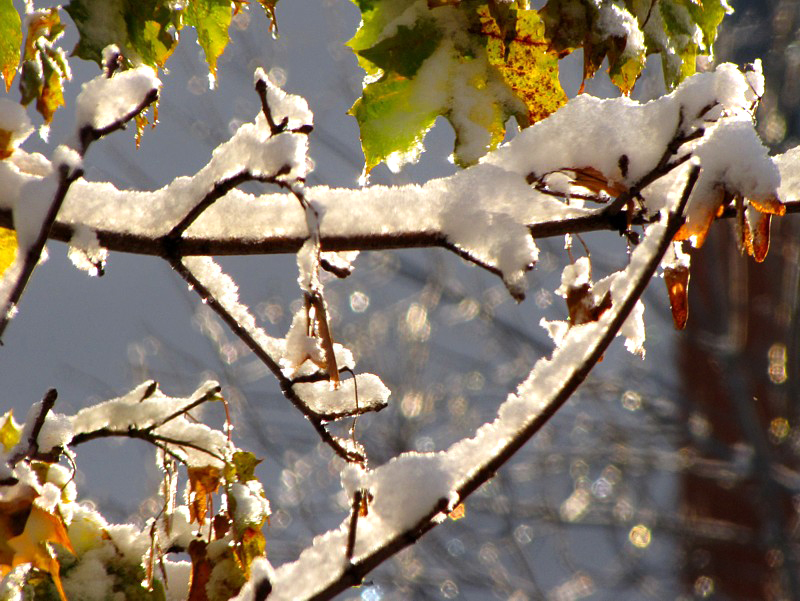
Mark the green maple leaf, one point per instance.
(476, 64)
(211, 19)
(146, 31)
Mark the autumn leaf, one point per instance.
(522, 55)
(244, 464)
(32, 546)
(749, 210)
(251, 545)
(10, 41)
(676, 279)
(583, 306)
(10, 431)
(211, 19)
(201, 571)
(44, 65)
(459, 512)
(594, 181)
(203, 482)
(269, 9)
(756, 233)
(495, 64)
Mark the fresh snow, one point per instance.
(105, 100)
(587, 132)
(411, 486)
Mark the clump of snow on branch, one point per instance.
(294, 109)
(226, 293)
(85, 251)
(105, 100)
(147, 408)
(15, 126)
(594, 132)
(365, 392)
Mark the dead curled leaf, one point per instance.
(754, 216)
(203, 482)
(594, 181)
(583, 306)
(676, 279)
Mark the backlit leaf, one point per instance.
(42, 529)
(44, 66)
(269, 8)
(146, 31)
(522, 56)
(10, 41)
(392, 118)
(211, 19)
(245, 465)
(676, 279)
(251, 545)
(756, 234)
(201, 571)
(8, 249)
(203, 482)
(10, 431)
(476, 64)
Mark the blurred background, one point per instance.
(676, 477)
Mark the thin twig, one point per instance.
(245, 336)
(145, 434)
(32, 447)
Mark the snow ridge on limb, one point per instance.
(591, 149)
(413, 492)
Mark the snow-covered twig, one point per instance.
(98, 121)
(22, 275)
(266, 357)
(32, 443)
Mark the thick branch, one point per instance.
(271, 244)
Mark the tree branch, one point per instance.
(32, 447)
(266, 358)
(356, 570)
(66, 177)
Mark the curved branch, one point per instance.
(355, 570)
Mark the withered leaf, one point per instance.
(203, 482)
(676, 279)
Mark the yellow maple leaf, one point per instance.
(42, 529)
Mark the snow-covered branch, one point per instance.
(414, 492)
(630, 156)
(104, 105)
